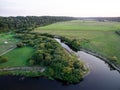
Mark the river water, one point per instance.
(101, 77)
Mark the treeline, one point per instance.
(20, 22)
(116, 19)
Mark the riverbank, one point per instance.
(70, 51)
(67, 41)
(102, 58)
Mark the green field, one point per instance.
(101, 35)
(17, 57)
(11, 42)
(82, 25)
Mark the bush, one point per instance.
(3, 59)
(114, 59)
(74, 44)
(31, 62)
(48, 35)
(49, 72)
(20, 44)
(117, 32)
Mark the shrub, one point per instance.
(114, 59)
(3, 59)
(31, 62)
(20, 44)
(117, 32)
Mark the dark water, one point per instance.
(101, 77)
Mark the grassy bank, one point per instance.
(101, 36)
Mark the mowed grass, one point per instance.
(17, 57)
(101, 35)
(9, 38)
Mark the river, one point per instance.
(101, 77)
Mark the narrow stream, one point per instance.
(101, 77)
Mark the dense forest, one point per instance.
(20, 22)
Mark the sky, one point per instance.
(75, 8)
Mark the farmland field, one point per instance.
(101, 35)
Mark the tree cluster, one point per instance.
(58, 62)
(75, 44)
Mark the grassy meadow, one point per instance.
(101, 35)
(9, 38)
(17, 57)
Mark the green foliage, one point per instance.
(50, 54)
(25, 24)
(118, 32)
(75, 44)
(31, 62)
(20, 44)
(113, 59)
(3, 59)
(49, 72)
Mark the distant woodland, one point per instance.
(20, 22)
(115, 19)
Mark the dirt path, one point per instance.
(8, 50)
(41, 69)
